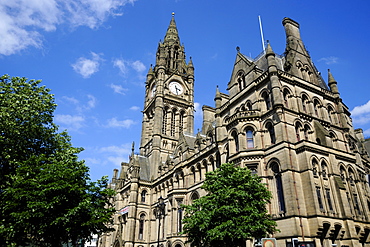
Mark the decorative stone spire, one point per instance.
(170, 53)
(297, 60)
(332, 83)
(269, 50)
(172, 35)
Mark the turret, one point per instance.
(274, 79)
(150, 74)
(332, 84)
(297, 60)
(190, 69)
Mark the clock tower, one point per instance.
(169, 101)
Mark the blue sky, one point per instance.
(94, 56)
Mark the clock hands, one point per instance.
(177, 89)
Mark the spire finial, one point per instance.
(173, 14)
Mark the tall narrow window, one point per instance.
(143, 195)
(141, 226)
(250, 142)
(271, 131)
(249, 106)
(266, 98)
(179, 217)
(305, 132)
(173, 122)
(314, 167)
(181, 121)
(316, 108)
(324, 169)
(194, 174)
(236, 140)
(297, 130)
(330, 110)
(199, 167)
(349, 203)
(279, 187)
(164, 126)
(328, 198)
(357, 206)
(304, 103)
(319, 198)
(285, 97)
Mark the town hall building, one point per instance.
(279, 118)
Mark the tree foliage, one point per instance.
(232, 211)
(46, 196)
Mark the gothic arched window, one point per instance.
(279, 187)
(143, 195)
(266, 98)
(236, 140)
(173, 122)
(316, 106)
(194, 174)
(249, 106)
(331, 115)
(298, 127)
(164, 126)
(271, 131)
(141, 226)
(249, 135)
(306, 132)
(285, 97)
(314, 167)
(181, 121)
(304, 103)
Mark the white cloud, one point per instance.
(358, 110)
(70, 122)
(134, 108)
(114, 123)
(22, 21)
(124, 65)
(367, 133)
(92, 102)
(329, 60)
(118, 89)
(197, 109)
(118, 150)
(116, 154)
(121, 64)
(361, 114)
(87, 67)
(71, 100)
(138, 66)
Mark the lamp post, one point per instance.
(159, 213)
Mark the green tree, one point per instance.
(46, 196)
(232, 211)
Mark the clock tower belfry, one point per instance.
(169, 100)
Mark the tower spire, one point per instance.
(172, 35)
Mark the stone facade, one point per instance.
(279, 118)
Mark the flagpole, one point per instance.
(263, 40)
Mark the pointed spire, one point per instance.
(218, 98)
(172, 35)
(269, 50)
(132, 149)
(332, 83)
(190, 64)
(150, 69)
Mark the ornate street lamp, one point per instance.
(159, 213)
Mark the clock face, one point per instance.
(176, 88)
